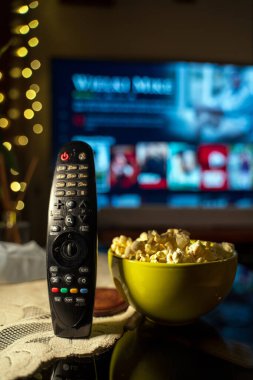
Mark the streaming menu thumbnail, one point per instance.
(183, 168)
(152, 161)
(213, 159)
(124, 169)
(240, 167)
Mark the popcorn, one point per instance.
(172, 247)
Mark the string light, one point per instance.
(37, 129)
(35, 87)
(33, 4)
(13, 113)
(22, 10)
(15, 186)
(27, 72)
(28, 113)
(36, 106)
(4, 123)
(22, 52)
(14, 172)
(30, 94)
(2, 97)
(21, 140)
(20, 205)
(35, 64)
(14, 93)
(23, 186)
(34, 41)
(7, 145)
(33, 24)
(15, 72)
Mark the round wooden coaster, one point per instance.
(108, 302)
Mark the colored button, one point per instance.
(83, 290)
(64, 156)
(55, 290)
(73, 290)
(64, 290)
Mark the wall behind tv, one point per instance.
(129, 29)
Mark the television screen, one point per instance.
(172, 133)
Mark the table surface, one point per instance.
(220, 344)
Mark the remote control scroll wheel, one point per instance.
(70, 249)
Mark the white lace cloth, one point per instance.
(26, 336)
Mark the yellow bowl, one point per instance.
(173, 293)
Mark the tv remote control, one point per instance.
(72, 241)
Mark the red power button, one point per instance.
(64, 156)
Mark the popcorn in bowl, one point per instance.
(172, 247)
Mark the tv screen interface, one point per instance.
(173, 133)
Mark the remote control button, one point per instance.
(83, 290)
(64, 290)
(73, 290)
(82, 156)
(55, 290)
(68, 299)
(65, 156)
(53, 268)
(55, 280)
(83, 175)
(84, 228)
(59, 204)
(71, 175)
(82, 217)
(84, 270)
(60, 168)
(70, 220)
(80, 300)
(60, 193)
(83, 167)
(60, 176)
(60, 184)
(82, 184)
(57, 299)
(82, 193)
(70, 204)
(71, 184)
(55, 228)
(83, 205)
(68, 279)
(71, 193)
(72, 167)
(82, 280)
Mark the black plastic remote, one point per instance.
(72, 241)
